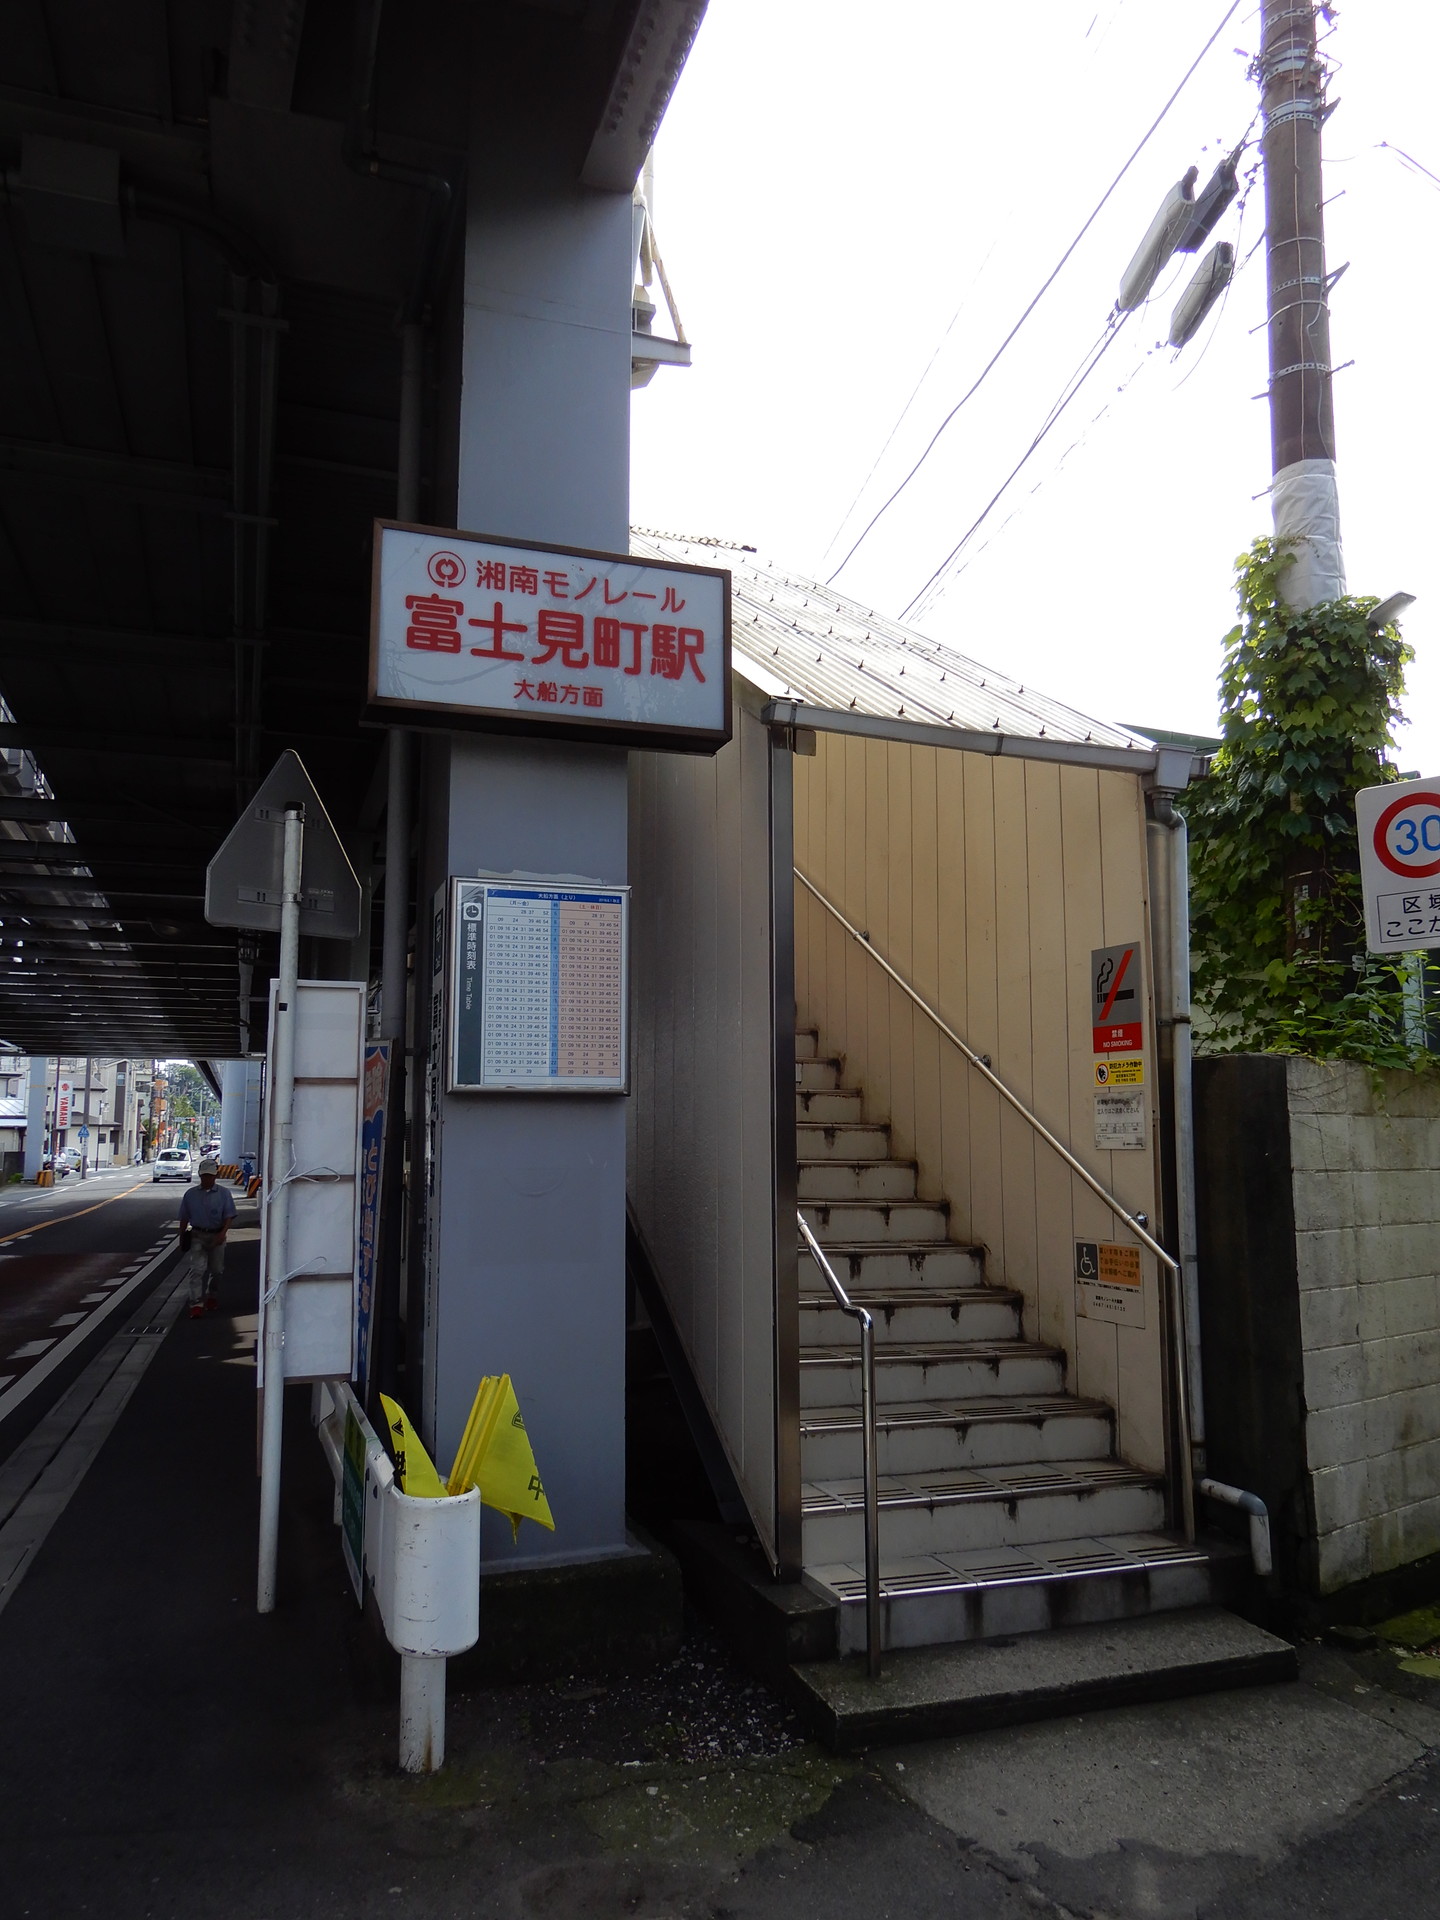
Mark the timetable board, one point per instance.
(539, 993)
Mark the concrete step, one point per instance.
(846, 1221)
(815, 1141)
(845, 1107)
(939, 1370)
(835, 1179)
(936, 1691)
(966, 1510)
(818, 1076)
(807, 1043)
(930, 1600)
(913, 1314)
(929, 1435)
(878, 1263)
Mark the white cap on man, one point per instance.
(207, 1165)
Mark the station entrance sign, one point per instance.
(1399, 833)
(470, 631)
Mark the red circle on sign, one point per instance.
(1382, 827)
(446, 569)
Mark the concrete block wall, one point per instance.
(1365, 1190)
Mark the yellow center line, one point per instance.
(40, 1225)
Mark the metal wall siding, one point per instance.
(701, 1123)
(987, 883)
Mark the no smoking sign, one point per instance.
(1399, 833)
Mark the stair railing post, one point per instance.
(870, 1454)
(872, 1496)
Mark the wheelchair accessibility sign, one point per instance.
(1109, 1284)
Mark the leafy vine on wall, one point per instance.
(1308, 704)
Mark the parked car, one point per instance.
(173, 1163)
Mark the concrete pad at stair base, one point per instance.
(930, 1691)
(1179, 1808)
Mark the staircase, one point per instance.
(1003, 1505)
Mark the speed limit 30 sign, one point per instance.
(1399, 829)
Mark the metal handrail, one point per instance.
(1117, 1207)
(867, 1423)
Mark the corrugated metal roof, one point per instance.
(798, 640)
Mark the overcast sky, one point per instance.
(835, 181)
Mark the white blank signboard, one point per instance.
(324, 1222)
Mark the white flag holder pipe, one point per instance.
(420, 1558)
(280, 1161)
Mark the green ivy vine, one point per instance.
(1308, 703)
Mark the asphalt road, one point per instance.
(172, 1753)
(71, 1259)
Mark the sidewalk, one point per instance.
(170, 1753)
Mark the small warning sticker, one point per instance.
(1108, 1283)
(1127, 1070)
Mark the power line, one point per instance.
(1072, 387)
(914, 394)
(1053, 275)
(929, 367)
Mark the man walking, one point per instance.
(204, 1220)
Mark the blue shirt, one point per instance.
(206, 1211)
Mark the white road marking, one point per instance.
(92, 1299)
(69, 1320)
(29, 1350)
(38, 1480)
(11, 1397)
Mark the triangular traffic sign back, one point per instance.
(243, 880)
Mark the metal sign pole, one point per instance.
(277, 1199)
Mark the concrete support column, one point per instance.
(526, 1266)
(239, 1111)
(232, 1110)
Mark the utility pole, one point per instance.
(1304, 495)
(85, 1123)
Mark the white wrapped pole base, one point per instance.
(422, 1712)
(1305, 507)
(429, 1595)
(420, 1559)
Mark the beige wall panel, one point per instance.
(1127, 903)
(927, 878)
(1014, 1032)
(1051, 1088)
(954, 1171)
(701, 1155)
(980, 1026)
(987, 883)
(897, 879)
(1093, 1369)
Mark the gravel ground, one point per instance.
(700, 1706)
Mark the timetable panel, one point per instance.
(538, 987)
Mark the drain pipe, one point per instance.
(1249, 1503)
(1177, 994)
(1177, 931)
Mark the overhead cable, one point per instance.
(1068, 392)
(1049, 281)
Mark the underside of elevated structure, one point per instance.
(214, 222)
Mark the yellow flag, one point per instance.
(414, 1468)
(495, 1455)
